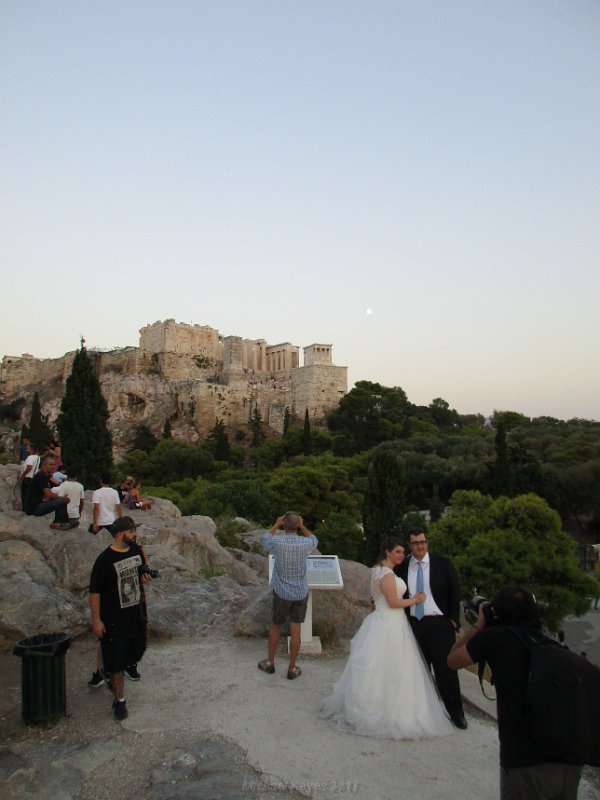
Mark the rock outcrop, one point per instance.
(203, 587)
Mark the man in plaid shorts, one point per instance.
(289, 549)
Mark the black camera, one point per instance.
(145, 570)
(472, 611)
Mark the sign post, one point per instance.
(323, 573)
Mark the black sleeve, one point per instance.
(453, 593)
(482, 646)
(97, 576)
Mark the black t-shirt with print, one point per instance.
(35, 491)
(116, 578)
(509, 662)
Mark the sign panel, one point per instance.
(323, 572)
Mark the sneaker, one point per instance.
(97, 680)
(60, 526)
(120, 709)
(267, 666)
(132, 673)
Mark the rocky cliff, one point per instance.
(202, 586)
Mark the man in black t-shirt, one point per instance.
(40, 501)
(525, 771)
(117, 607)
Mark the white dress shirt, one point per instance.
(431, 608)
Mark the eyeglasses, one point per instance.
(419, 543)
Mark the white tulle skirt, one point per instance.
(386, 689)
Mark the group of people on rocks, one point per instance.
(46, 487)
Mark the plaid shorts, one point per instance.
(284, 610)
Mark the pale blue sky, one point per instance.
(273, 169)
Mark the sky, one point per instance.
(416, 183)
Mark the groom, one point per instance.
(435, 621)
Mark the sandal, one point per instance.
(294, 673)
(267, 666)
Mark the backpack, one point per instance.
(563, 698)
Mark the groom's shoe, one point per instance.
(460, 722)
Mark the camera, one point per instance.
(472, 610)
(153, 573)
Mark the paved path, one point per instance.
(583, 634)
(204, 722)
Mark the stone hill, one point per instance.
(203, 587)
(190, 375)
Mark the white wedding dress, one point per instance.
(386, 689)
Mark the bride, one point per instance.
(386, 689)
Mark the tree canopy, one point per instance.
(368, 415)
(496, 542)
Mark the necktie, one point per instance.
(420, 607)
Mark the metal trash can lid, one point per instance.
(44, 644)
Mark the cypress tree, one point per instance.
(218, 436)
(82, 423)
(167, 432)
(307, 443)
(287, 418)
(40, 433)
(385, 502)
(502, 468)
(222, 449)
(258, 435)
(144, 439)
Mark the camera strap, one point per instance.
(480, 674)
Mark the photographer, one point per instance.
(525, 771)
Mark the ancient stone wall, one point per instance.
(26, 370)
(318, 388)
(177, 337)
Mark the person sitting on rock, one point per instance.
(40, 500)
(73, 491)
(124, 488)
(135, 500)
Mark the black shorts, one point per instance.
(120, 650)
(284, 610)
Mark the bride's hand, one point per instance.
(420, 597)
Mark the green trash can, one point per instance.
(43, 679)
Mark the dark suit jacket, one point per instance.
(443, 581)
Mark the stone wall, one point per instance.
(177, 337)
(319, 388)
